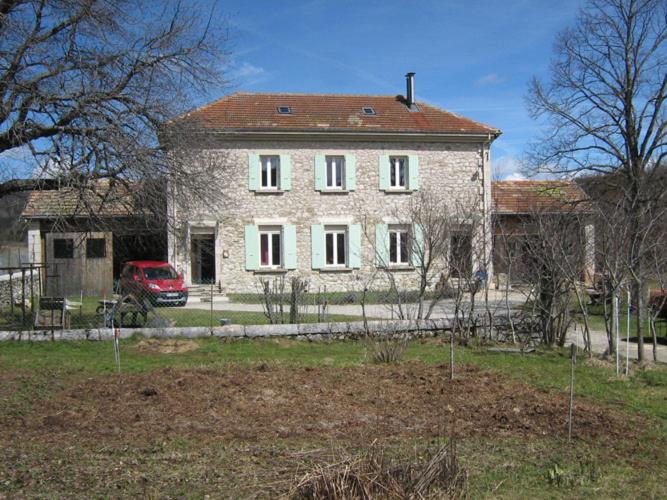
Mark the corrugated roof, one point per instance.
(329, 112)
(527, 196)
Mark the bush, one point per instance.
(372, 474)
(388, 349)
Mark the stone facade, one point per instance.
(456, 170)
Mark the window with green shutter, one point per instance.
(413, 172)
(354, 246)
(399, 172)
(381, 245)
(317, 246)
(335, 173)
(251, 248)
(417, 250)
(350, 172)
(289, 239)
(269, 172)
(285, 172)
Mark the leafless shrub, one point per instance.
(372, 474)
(388, 348)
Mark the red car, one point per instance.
(153, 280)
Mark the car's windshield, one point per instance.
(160, 273)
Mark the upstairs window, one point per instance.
(335, 172)
(398, 172)
(270, 166)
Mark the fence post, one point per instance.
(211, 318)
(22, 296)
(11, 295)
(451, 356)
(573, 359)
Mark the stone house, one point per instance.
(315, 185)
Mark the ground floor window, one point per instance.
(398, 246)
(335, 239)
(270, 247)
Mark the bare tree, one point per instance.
(87, 85)
(604, 106)
(433, 225)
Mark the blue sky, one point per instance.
(471, 57)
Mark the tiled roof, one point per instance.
(329, 112)
(527, 196)
(72, 202)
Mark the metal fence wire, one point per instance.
(283, 300)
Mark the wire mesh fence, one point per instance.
(276, 301)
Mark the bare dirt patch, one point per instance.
(267, 402)
(166, 346)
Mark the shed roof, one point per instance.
(528, 196)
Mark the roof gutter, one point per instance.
(351, 135)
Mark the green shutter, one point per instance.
(383, 171)
(320, 172)
(354, 245)
(417, 249)
(285, 173)
(289, 246)
(251, 248)
(317, 246)
(413, 172)
(253, 171)
(350, 172)
(381, 245)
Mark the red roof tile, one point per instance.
(71, 202)
(329, 112)
(522, 197)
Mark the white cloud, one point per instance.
(245, 74)
(490, 79)
(515, 176)
(507, 167)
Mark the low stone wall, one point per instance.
(15, 289)
(305, 331)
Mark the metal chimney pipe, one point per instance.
(410, 92)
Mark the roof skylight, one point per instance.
(284, 110)
(368, 110)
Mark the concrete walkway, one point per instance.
(443, 309)
(599, 345)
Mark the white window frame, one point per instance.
(271, 179)
(336, 231)
(270, 231)
(395, 169)
(337, 163)
(398, 231)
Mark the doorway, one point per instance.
(202, 253)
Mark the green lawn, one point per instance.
(337, 298)
(498, 467)
(87, 317)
